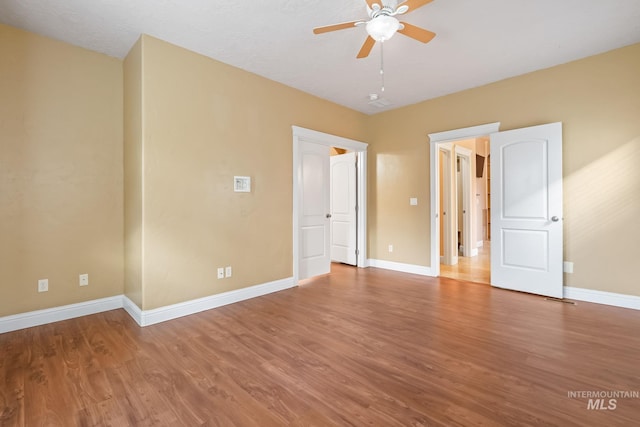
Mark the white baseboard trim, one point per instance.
(132, 309)
(398, 266)
(56, 314)
(142, 317)
(162, 314)
(601, 297)
(149, 317)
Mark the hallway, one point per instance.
(472, 269)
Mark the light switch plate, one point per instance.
(84, 280)
(413, 201)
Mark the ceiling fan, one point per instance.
(383, 23)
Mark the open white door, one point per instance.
(526, 214)
(465, 212)
(314, 213)
(449, 252)
(343, 208)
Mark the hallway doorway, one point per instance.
(465, 209)
(461, 193)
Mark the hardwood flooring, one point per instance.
(356, 347)
(473, 269)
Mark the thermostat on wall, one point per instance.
(242, 184)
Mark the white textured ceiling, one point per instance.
(477, 42)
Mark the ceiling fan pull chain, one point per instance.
(382, 64)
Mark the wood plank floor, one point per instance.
(473, 269)
(354, 348)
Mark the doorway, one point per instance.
(460, 187)
(463, 188)
(525, 203)
(312, 242)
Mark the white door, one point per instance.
(526, 210)
(449, 254)
(314, 213)
(465, 213)
(343, 208)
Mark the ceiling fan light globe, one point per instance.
(383, 27)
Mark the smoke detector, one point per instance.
(376, 101)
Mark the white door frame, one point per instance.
(465, 167)
(435, 139)
(302, 135)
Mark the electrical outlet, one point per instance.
(390, 248)
(220, 273)
(568, 267)
(227, 271)
(43, 285)
(84, 280)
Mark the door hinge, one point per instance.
(357, 251)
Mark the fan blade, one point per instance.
(336, 27)
(366, 48)
(414, 4)
(420, 34)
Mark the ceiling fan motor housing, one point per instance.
(386, 8)
(383, 24)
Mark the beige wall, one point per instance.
(203, 123)
(597, 99)
(60, 172)
(133, 138)
(191, 124)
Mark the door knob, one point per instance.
(328, 215)
(555, 218)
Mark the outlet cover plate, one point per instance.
(43, 285)
(567, 267)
